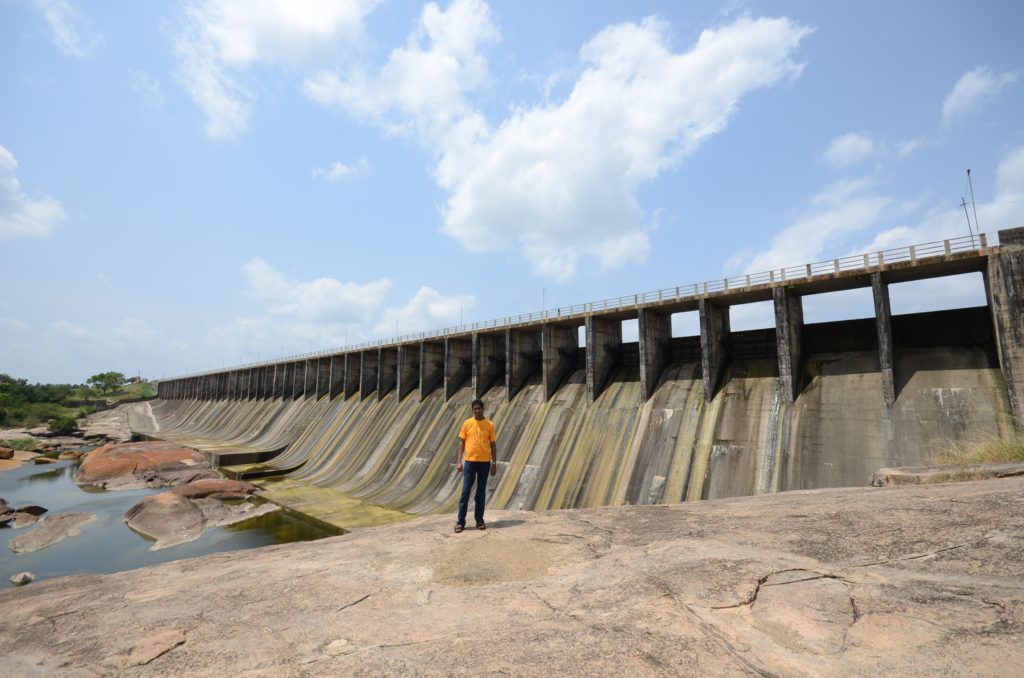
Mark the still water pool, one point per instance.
(108, 545)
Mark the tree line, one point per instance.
(25, 404)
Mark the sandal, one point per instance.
(481, 525)
(459, 528)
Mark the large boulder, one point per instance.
(169, 518)
(55, 528)
(130, 466)
(6, 453)
(216, 489)
(930, 475)
(172, 518)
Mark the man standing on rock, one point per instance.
(477, 447)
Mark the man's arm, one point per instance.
(459, 453)
(494, 458)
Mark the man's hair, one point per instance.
(477, 402)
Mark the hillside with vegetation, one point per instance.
(25, 405)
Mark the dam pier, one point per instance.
(587, 419)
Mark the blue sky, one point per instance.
(189, 185)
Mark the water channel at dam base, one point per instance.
(108, 544)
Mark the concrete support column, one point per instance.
(298, 379)
(323, 377)
(284, 389)
(604, 352)
(387, 371)
(431, 366)
(883, 324)
(337, 386)
(250, 392)
(368, 373)
(789, 329)
(559, 344)
(522, 359)
(714, 344)
(458, 364)
(260, 374)
(267, 382)
(209, 387)
(1005, 288)
(243, 384)
(655, 348)
(276, 377)
(488, 361)
(309, 387)
(408, 372)
(222, 386)
(353, 369)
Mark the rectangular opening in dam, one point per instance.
(966, 290)
(685, 339)
(827, 307)
(757, 315)
(752, 330)
(630, 330)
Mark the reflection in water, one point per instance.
(48, 476)
(108, 545)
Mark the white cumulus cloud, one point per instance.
(221, 39)
(70, 30)
(339, 171)
(428, 309)
(849, 149)
(422, 86)
(20, 215)
(975, 88)
(319, 299)
(559, 180)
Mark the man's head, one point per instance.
(478, 408)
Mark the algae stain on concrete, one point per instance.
(328, 505)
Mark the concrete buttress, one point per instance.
(604, 352)
(714, 344)
(655, 330)
(1005, 281)
(458, 364)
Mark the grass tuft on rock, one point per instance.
(19, 443)
(985, 451)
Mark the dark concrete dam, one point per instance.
(366, 434)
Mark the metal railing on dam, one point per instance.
(663, 419)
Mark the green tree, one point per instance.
(63, 426)
(107, 382)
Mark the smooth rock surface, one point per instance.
(928, 475)
(55, 528)
(137, 465)
(911, 581)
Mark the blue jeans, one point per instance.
(473, 471)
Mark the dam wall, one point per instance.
(796, 406)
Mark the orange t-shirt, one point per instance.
(478, 436)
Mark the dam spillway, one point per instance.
(366, 434)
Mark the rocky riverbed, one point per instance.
(922, 580)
